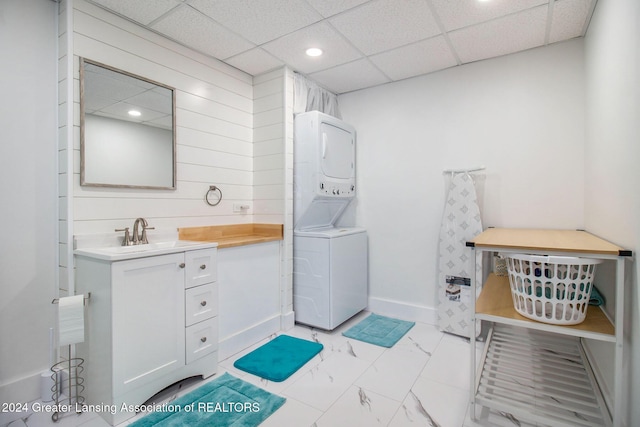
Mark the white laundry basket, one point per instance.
(551, 289)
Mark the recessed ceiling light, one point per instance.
(134, 113)
(314, 51)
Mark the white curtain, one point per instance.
(308, 96)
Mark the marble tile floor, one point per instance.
(421, 381)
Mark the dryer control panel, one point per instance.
(336, 189)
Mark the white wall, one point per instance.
(29, 187)
(521, 116)
(612, 199)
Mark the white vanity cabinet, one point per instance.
(147, 305)
(151, 321)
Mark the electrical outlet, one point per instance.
(241, 207)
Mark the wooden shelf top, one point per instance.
(495, 303)
(546, 240)
(232, 235)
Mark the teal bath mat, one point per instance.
(379, 330)
(224, 402)
(279, 358)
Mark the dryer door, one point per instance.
(337, 152)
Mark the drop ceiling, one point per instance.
(365, 42)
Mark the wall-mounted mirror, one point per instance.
(127, 129)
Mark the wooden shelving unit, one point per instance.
(495, 305)
(524, 369)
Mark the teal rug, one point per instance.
(224, 402)
(379, 330)
(278, 359)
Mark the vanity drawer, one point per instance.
(200, 267)
(201, 303)
(201, 339)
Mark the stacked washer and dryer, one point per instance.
(330, 263)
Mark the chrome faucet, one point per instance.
(140, 236)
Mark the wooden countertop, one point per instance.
(234, 234)
(546, 240)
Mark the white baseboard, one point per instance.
(403, 310)
(25, 389)
(287, 321)
(237, 342)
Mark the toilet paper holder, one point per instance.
(67, 379)
(57, 300)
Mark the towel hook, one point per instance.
(212, 189)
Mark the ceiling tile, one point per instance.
(255, 61)
(142, 11)
(190, 27)
(259, 21)
(291, 48)
(455, 14)
(333, 7)
(569, 17)
(349, 77)
(415, 59)
(401, 38)
(386, 24)
(512, 33)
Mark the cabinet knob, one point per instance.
(203, 266)
(182, 265)
(203, 303)
(203, 339)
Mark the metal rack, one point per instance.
(525, 362)
(67, 379)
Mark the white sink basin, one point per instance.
(119, 253)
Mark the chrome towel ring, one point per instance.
(213, 189)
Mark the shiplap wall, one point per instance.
(215, 117)
(268, 147)
(66, 136)
(273, 166)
